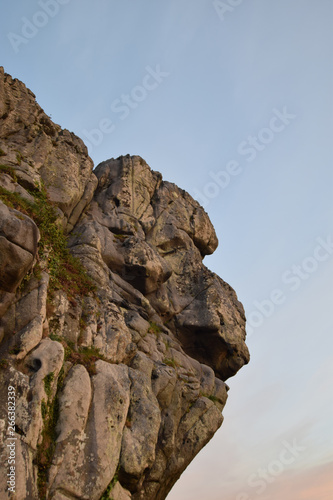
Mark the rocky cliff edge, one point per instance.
(116, 338)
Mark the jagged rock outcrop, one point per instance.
(120, 383)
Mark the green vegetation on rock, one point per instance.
(8, 170)
(66, 271)
(48, 383)
(106, 494)
(154, 328)
(86, 356)
(50, 415)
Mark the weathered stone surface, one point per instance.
(19, 237)
(47, 359)
(140, 433)
(119, 493)
(25, 475)
(92, 444)
(40, 150)
(74, 403)
(119, 389)
(161, 256)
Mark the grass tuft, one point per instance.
(48, 383)
(154, 328)
(171, 362)
(6, 169)
(106, 494)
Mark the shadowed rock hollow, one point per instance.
(119, 364)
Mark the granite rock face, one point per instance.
(119, 388)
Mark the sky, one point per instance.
(232, 101)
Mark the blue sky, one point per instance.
(242, 87)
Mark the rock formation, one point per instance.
(118, 349)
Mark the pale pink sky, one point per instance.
(314, 483)
(311, 484)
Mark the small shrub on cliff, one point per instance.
(2, 153)
(211, 397)
(154, 328)
(86, 356)
(171, 362)
(13, 200)
(9, 171)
